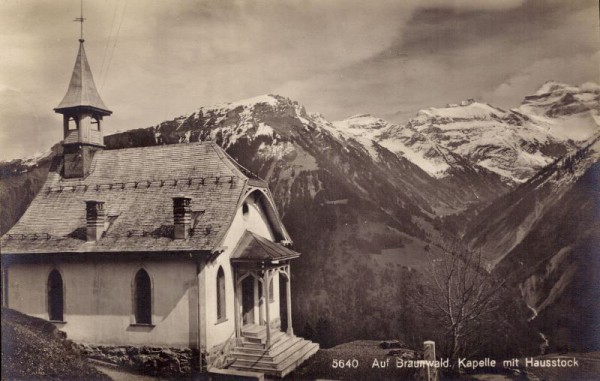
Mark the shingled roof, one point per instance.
(137, 186)
(254, 248)
(82, 90)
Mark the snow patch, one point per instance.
(553, 86)
(267, 99)
(261, 99)
(577, 127)
(467, 110)
(435, 167)
(35, 158)
(364, 125)
(264, 130)
(349, 135)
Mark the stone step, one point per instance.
(260, 336)
(284, 367)
(250, 342)
(274, 355)
(257, 331)
(261, 350)
(284, 340)
(273, 362)
(251, 329)
(257, 340)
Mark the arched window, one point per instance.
(143, 298)
(56, 302)
(221, 311)
(245, 209)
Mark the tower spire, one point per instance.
(83, 112)
(81, 19)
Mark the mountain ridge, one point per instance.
(514, 144)
(362, 212)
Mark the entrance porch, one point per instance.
(254, 299)
(261, 345)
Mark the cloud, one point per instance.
(24, 131)
(426, 67)
(573, 70)
(339, 57)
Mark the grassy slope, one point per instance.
(33, 349)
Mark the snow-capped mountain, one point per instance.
(366, 128)
(285, 140)
(476, 183)
(563, 111)
(364, 198)
(514, 144)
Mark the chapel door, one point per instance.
(248, 300)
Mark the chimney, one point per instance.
(95, 217)
(182, 215)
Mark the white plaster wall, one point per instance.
(99, 295)
(99, 300)
(255, 221)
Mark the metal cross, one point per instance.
(81, 20)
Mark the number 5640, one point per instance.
(344, 363)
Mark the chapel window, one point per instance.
(221, 311)
(56, 302)
(143, 298)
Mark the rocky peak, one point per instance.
(467, 110)
(555, 99)
(553, 87)
(514, 144)
(366, 120)
(361, 124)
(261, 104)
(272, 117)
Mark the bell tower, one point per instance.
(82, 110)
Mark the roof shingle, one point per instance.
(137, 186)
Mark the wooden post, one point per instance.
(266, 302)
(236, 305)
(257, 306)
(288, 293)
(429, 355)
(4, 285)
(201, 270)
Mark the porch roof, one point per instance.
(254, 248)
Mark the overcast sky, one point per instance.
(155, 60)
